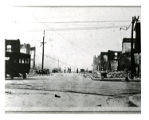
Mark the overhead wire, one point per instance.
(79, 28)
(83, 28)
(92, 21)
(56, 59)
(70, 42)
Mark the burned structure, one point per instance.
(121, 60)
(27, 49)
(107, 61)
(16, 63)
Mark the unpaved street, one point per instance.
(71, 92)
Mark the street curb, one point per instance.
(114, 79)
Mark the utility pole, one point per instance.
(34, 58)
(58, 63)
(132, 51)
(43, 50)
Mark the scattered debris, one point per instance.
(97, 74)
(8, 92)
(57, 96)
(119, 74)
(99, 105)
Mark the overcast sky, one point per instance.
(72, 34)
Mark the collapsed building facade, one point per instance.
(107, 61)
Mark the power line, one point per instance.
(69, 42)
(63, 37)
(77, 28)
(86, 28)
(92, 21)
(83, 28)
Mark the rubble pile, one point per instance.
(97, 74)
(117, 74)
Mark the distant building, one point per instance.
(25, 48)
(125, 59)
(95, 63)
(121, 60)
(114, 60)
(107, 61)
(12, 45)
(126, 45)
(104, 64)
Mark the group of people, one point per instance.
(69, 70)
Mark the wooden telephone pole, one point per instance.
(134, 20)
(43, 50)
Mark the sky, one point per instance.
(73, 35)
